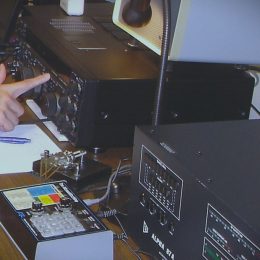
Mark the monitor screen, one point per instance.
(9, 10)
(218, 31)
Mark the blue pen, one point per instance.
(14, 140)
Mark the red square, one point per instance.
(55, 197)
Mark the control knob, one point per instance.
(37, 206)
(75, 89)
(67, 105)
(65, 202)
(48, 104)
(65, 123)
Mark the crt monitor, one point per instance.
(9, 11)
(218, 31)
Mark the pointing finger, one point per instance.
(18, 88)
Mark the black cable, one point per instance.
(113, 213)
(125, 170)
(111, 179)
(256, 110)
(164, 61)
(122, 236)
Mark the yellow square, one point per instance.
(46, 199)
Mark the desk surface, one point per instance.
(110, 157)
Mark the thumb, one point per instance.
(18, 88)
(2, 73)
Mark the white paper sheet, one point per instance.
(49, 124)
(16, 158)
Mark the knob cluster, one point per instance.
(37, 207)
(65, 202)
(58, 99)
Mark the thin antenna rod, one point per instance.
(164, 61)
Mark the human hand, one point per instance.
(10, 108)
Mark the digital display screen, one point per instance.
(22, 198)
